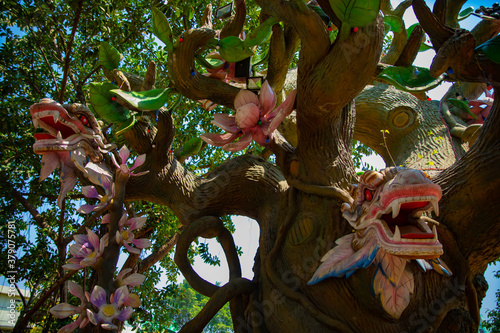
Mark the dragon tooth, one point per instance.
(435, 206)
(397, 235)
(35, 122)
(395, 209)
(434, 231)
(59, 136)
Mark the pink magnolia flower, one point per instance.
(256, 119)
(132, 280)
(104, 200)
(109, 312)
(124, 154)
(86, 250)
(481, 108)
(126, 236)
(63, 310)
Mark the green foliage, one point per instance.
(491, 49)
(101, 97)
(109, 57)
(493, 321)
(189, 148)
(394, 23)
(410, 79)
(161, 28)
(148, 100)
(354, 13)
(462, 105)
(465, 13)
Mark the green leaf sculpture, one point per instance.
(109, 57)
(148, 100)
(354, 13)
(491, 49)
(189, 148)
(161, 28)
(101, 99)
(410, 79)
(262, 33)
(465, 13)
(462, 105)
(395, 23)
(233, 49)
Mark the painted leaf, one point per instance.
(394, 298)
(233, 49)
(462, 105)
(261, 33)
(189, 148)
(410, 79)
(391, 266)
(342, 260)
(102, 103)
(491, 49)
(354, 13)
(465, 13)
(148, 100)
(109, 57)
(161, 28)
(395, 23)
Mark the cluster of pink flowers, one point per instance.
(256, 119)
(120, 305)
(88, 249)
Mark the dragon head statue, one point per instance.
(70, 138)
(390, 232)
(390, 205)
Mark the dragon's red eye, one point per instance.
(368, 194)
(84, 120)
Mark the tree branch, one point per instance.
(229, 291)
(158, 254)
(23, 322)
(197, 86)
(234, 25)
(313, 33)
(67, 55)
(207, 227)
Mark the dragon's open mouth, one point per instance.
(57, 130)
(402, 228)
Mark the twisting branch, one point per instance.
(455, 50)
(207, 227)
(197, 86)
(313, 33)
(159, 254)
(234, 25)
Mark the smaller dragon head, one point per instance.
(71, 138)
(67, 128)
(390, 206)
